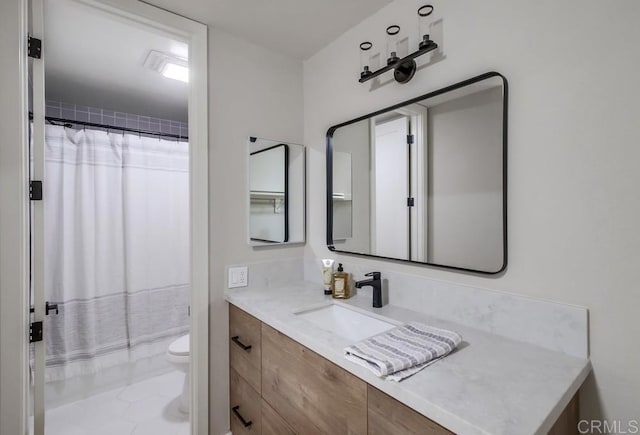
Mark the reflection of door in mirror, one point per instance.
(268, 184)
(398, 183)
(390, 188)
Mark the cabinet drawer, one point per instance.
(272, 423)
(246, 412)
(312, 394)
(388, 416)
(245, 347)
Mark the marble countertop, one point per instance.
(489, 385)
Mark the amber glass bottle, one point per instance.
(341, 285)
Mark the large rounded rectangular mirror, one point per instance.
(424, 181)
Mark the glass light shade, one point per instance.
(365, 59)
(424, 22)
(393, 37)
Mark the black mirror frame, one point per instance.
(286, 192)
(329, 169)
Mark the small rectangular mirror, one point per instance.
(424, 181)
(276, 192)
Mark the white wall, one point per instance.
(352, 216)
(465, 227)
(574, 205)
(252, 92)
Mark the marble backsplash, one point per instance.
(555, 326)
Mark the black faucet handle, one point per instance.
(375, 275)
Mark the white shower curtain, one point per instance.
(116, 248)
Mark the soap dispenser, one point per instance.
(341, 288)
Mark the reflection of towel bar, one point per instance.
(341, 196)
(262, 197)
(266, 194)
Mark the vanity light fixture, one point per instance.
(405, 68)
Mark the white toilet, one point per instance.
(178, 355)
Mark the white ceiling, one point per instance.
(96, 60)
(298, 28)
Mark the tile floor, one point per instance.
(149, 407)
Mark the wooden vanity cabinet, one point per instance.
(280, 387)
(388, 416)
(272, 423)
(567, 423)
(245, 346)
(312, 394)
(246, 409)
(245, 369)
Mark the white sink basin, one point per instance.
(345, 322)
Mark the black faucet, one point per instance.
(376, 283)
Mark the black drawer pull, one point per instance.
(237, 341)
(237, 414)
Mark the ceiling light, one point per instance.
(168, 65)
(176, 72)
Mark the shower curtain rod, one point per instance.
(68, 123)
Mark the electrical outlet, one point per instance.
(238, 276)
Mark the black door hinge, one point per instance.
(34, 48)
(35, 190)
(35, 332)
(409, 139)
(410, 202)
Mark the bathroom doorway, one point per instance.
(398, 182)
(118, 161)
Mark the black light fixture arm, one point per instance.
(402, 63)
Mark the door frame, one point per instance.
(418, 115)
(15, 284)
(14, 214)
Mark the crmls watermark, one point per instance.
(609, 427)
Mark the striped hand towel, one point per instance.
(403, 351)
